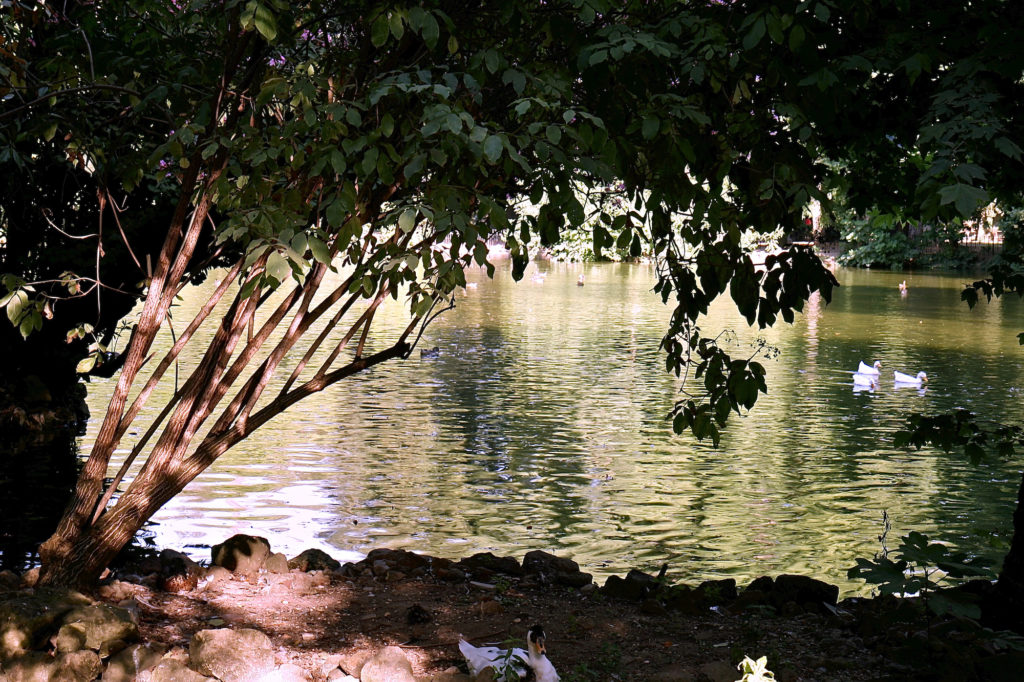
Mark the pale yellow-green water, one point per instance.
(541, 425)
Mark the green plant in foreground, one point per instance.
(755, 671)
(920, 566)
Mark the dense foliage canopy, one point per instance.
(389, 141)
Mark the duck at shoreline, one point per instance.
(517, 661)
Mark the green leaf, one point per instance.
(516, 78)
(651, 126)
(1008, 147)
(796, 38)
(335, 213)
(755, 34)
(492, 148)
(887, 574)
(338, 161)
(320, 250)
(396, 25)
(16, 306)
(407, 221)
(86, 364)
(965, 198)
(379, 31)
(431, 31)
(278, 266)
(491, 60)
(265, 22)
(30, 322)
(387, 125)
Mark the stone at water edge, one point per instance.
(276, 563)
(387, 665)
(69, 638)
(29, 619)
(9, 581)
(118, 590)
(717, 592)
(106, 628)
(287, 672)
(803, 590)
(538, 561)
(241, 553)
(338, 676)
(30, 577)
(635, 586)
(133, 660)
(232, 655)
(495, 564)
(314, 560)
(76, 666)
(216, 574)
(172, 670)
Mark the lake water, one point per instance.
(541, 425)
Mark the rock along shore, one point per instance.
(396, 616)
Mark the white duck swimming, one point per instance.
(865, 380)
(516, 661)
(902, 378)
(872, 369)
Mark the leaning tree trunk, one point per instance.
(87, 554)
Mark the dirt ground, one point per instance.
(331, 620)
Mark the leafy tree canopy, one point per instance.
(390, 140)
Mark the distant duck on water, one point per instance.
(870, 369)
(903, 288)
(430, 352)
(909, 379)
(580, 280)
(865, 380)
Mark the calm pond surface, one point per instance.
(541, 425)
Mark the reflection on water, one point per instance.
(541, 425)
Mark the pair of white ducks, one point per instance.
(512, 663)
(868, 374)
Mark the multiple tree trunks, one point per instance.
(392, 141)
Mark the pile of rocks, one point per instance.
(538, 567)
(58, 634)
(54, 634)
(787, 595)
